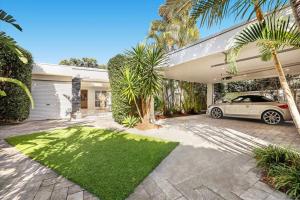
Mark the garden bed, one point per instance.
(280, 169)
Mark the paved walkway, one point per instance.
(213, 161)
(24, 179)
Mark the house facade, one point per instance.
(61, 91)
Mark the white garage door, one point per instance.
(52, 99)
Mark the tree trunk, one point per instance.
(288, 94)
(258, 12)
(295, 5)
(146, 110)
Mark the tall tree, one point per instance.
(272, 35)
(82, 62)
(10, 43)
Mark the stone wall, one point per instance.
(76, 85)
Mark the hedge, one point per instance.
(120, 106)
(15, 106)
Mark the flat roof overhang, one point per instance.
(205, 61)
(214, 69)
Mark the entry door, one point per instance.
(84, 98)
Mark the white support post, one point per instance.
(210, 94)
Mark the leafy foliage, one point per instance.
(82, 62)
(130, 121)
(15, 106)
(287, 178)
(282, 166)
(121, 108)
(275, 155)
(9, 19)
(8, 42)
(211, 12)
(270, 36)
(142, 79)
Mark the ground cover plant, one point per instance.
(281, 167)
(107, 163)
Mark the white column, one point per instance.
(210, 94)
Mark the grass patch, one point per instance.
(281, 168)
(106, 163)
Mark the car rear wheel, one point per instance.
(216, 113)
(271, 117)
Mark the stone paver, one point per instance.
(213, 161)
(23, 178)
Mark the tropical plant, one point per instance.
(170, 33)
(276, 155)
(131, 87)
(9, 43)
(282, 167)
(270, 36)
(130, 121)
(286, 178)
(173, 33)
(142, 78)
(210, 12)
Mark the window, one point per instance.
(97, 99)
(260, 99)
(100, 99)
(238, 99)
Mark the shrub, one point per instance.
(283, 168)
(130, 121)
(15, 106)
(120, 106)
(286, 178)
(274, 155)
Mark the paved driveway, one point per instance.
(213, 160)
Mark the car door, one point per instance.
(238, 107)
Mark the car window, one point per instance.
(238, 99)
(247, 99)
(260, 99)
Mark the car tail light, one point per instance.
(283, 106)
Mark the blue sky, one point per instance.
(57, 29)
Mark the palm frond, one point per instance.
(272, 34)
(21, 85)
(11, 44)
(9, 19)
(212, 12)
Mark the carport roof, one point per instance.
(205, 61)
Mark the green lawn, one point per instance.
(106, 163)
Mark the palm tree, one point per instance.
(10, 43)
(142, 79)
(214, 11)
(270, 36)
